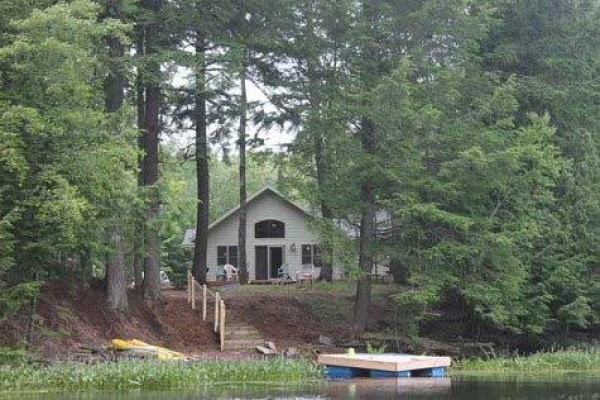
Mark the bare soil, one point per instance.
(305, 317)
(68, 318)
(300, 315)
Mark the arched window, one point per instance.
(269, 228)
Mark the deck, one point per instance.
(383, 365)
(259, 282)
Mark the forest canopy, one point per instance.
(475, 125)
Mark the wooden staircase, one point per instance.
(241, 336)
(232, 332)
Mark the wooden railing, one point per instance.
(220, 310)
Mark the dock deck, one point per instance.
(383, 365)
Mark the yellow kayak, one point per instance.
(137, 346)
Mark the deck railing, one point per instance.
(220, 310)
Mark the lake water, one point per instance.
(571, 388)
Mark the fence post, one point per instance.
(217, 300)
(189, 288)
(193, 293)
(222, 328)
(204, 302)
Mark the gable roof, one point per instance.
(190, 234)
(253, 198)
(350, 227)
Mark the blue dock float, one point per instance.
(343, 366)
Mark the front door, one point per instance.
(275, 260)
(262, 262)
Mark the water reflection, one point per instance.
(388, 388)
(567, 388)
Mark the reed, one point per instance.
(569, 360)
(154, 375)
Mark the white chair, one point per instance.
(307, 272)
(231, 273)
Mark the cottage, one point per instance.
(278, 234)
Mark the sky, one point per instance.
(275, 138)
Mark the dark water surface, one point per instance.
(571, 387)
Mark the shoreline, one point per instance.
(126, 375)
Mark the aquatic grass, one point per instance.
(570, 360)
(154, 375)
(13, 356)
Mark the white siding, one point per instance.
(265, 206)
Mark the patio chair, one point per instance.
(283, 274)
(220, 273)
(307, 273)
(231, 273)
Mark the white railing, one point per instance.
(220, 310)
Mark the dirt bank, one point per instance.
(306, 317)
(68, 318)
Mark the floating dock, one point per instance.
(338, 366)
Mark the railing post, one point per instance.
(193, 293)
(204, 302)
(217, 301)
(222, 327)
(189, 287)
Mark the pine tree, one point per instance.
(151, 139)
(71, 184)
(116, 283)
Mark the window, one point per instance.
(311, 254)
(268, 229)
(227, 255)
(317, 261)
(233, 256)
(306, 254)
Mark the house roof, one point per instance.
(351, 226)
(190, 234)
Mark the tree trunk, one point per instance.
(116, 283)
(116, 286)
(199, 268)
(115, 82)
(138, 245)
(317, 103)
(31, 320)
(151, 140)
(367, 234)
(243, 270)
(151, 233)
(399, 271)
(85, 263)
(327, 262)
(368, 137)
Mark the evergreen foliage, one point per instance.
(474, 125)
